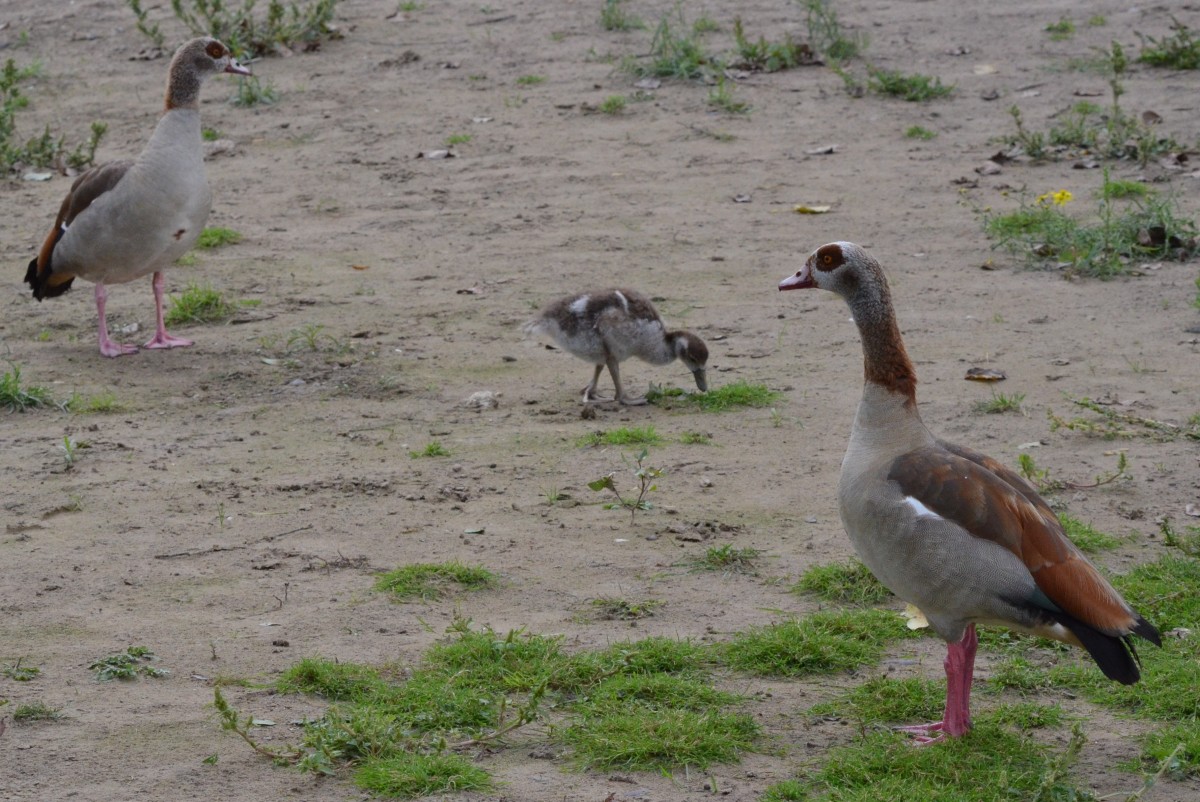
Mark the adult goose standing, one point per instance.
(949, 530)
(124, 220)
(609, 326)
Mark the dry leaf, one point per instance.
(984, 69)
(1192, 510)
(360, 267)
(985, 375)
(806, 209)
(824, 150)
(988, 168)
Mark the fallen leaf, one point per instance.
(741, 199)
(824, 150)
(806, 209)
(1192, 510)
(988, 168)
(984, 69)
(985, 375)
(360, 267)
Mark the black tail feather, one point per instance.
(1114, 654)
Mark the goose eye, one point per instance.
(827, 259)
(215, 50)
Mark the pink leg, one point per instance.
(107, 346)
(161, 338)
(960, 670)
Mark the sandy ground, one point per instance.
(223, 511)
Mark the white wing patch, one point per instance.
(579, 305)
(624, 301)
(920, 509)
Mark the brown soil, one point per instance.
(220, 517)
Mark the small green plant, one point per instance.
(728, 559)
(918, 132)
(304, 24)
(36, 711)
(127, 665)
(737, 394)
(1180, 51)
(427, 581)
(845, 583)
(1000, 403)
(209, 134)
(215, 237)
(696, 438)
(457, 139)
(531, 80)
(144, 26)
(915, 88)
(253, 92)
(1061, 30)
(825, 34)
(433, 449)
(720, 96)
(98, 404)
(624, 436)
(608, 608)
(1119, 189)
(824, 642)
(69, 446)
(409, 775)
(613, 104)
(313, 337)
(40, 151)
(198, 303)
(19, 398)
(645, 476)
(673, 55)
(19, 673)
(1111, 423)
(767, 56)
(614, 17)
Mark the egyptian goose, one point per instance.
(609, 326)
(123, 220)
(950, 530)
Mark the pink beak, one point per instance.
(801, 281)
(236, 68)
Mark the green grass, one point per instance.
(826, 35)
(40, 151)
(825, 642)
(721, 97)
(1062, 30)
(610, 608)
(613, 104)
(882, 700)
(1179, 51)
(915, 88)
(433, 449)
(215, 237)
(19, 673)
(1120, 189)
(918, 132)
(407, 775)
(128, 665)
(1000, 403)
(99, 404)
(427, 581)
(333, 680)
(659, 740)
(614, 17)
(531, 80)
(673, 55)
(1161, 742)
(283, 26)
(36, 711)
(695, 439)
(728, 559)
(624, 436)
(845, 583)
(18, 397)
(737, 394)
(457, 139)
(764, 56)
(198, 303)
(1087, 538)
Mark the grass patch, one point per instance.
(1062, 30)
(850, 582)
(36, 711)
(531, 80)
(1161, 743)
(915, 88)
(882, 700)
(332, 680)
(825, 642)
(1122, 232)
(216, 236)
(1179, 51)
(672, 54)
(624, 436)
(648, 739)
(609, 608)
(1089, 539)
(695, 439)
(427, 581)
(198, 303)
(1000, 403)
(994, 764)
(407, 775)
(738, 394)
(826, 35)
(728, 559)
(431, 449)
(19, 673)
(764, 56)
(130, 664)
(18, 397)
(918, 132)
(613, 104)
(99, 404)
(721, 97)
(614, 17)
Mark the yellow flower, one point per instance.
(1060, 198)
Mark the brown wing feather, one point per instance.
(86, 188)
(962, 486)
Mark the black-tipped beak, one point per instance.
(236, 68)
(801, 281)
(701, 380)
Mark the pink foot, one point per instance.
(164, 340)
(923, 734)
(112, 349)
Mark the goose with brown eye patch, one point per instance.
(951, 531)
(607, 327)
(124, 220)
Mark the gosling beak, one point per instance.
(701, 380)
(236, 68)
